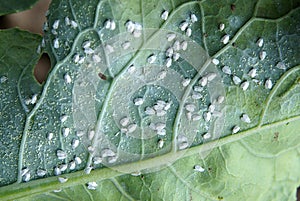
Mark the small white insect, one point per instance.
(206, 136)
(221, 26)
(125, 45)
(196, 96)
(138, 101)
(211, 108)
(268, 84)
(61, 154)
(50, 136)
(76, 58)
(112, 25)
(149, 111)
(236, 80)
(137, 33)
(160, 143)
(161, 132)
(189, 115)
(124, 130)
(55, 24)
(160, 126)
(67, 21)
(91, 149)
(63, 118)
(81, 60)
(38, 50)
(97, 160)
(107, 24)
(57, 190)
(171, 37)
(188, 32)
(176, 45)
(62, 179)
(161, 75)
(169, 52)
(196, 117)
(112, 159)
(194, 18)
(211, 76)
(86, 44)
(225, 39)
(88, 170)
(124, 121)
(176, 56)
(131, 69)
(198, 88)
(67, 78)
(27, 177)
(138, 26)
(220, 99)
(78, 160)
(3, 79)
(41, 172)
(203, 81)
(260, 42)
(184, 45)
(89, 51)
(75, 143)
(198, 168)
(184, 25)
(63, 167)
(151, 59)
(215, 61)
(72, 165)
(74, 24)
(245, 118)
(164, 15)
(66, 132)
(168, 62)
(167, 106)
(226, 70)
(245, 85)
(129, 26)
(207, 116)
(186, 82)
(24, 171)
(252, 73)
(56, 43)
(183, 145)
(57, 171)
(235, 129)
(96, 58)
(33, 99)
(281, 65)
(79, 133)
(262, 55)
(92, 185)
(131, 128)
(161, 113)
(190, 107)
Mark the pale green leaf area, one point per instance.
(13, 6)
(103, 71)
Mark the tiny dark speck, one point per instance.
(102, 76)
(232, 7)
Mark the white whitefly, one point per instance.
(245, 85)
(211, 108)
(3, 79)
(221, 26)
(196, 95)
(67, 21)
(161, 132)
(91, 149)
(124, 130)
(50, 136)
(86, 44)
(124, 121)
(76, 58)
(164, 15)
(65, 131)
(112, 25)
(196, 117)
(131, 128)
(41, 172)
(198, 168)
(190, 107)
(260, 42)
(56, 43)
(24, 171)
(211, 76)
(168, 62)
(72, 165)
(81, 60)
(184, 45)
(74, 24)
(91, 134)
(207, 116)
(184, 25)
(61, 154)
(97, 160)
(79, 133)
(96, 58)
(77, 160)
(268, 84)
(176, 56)
(189, 115)
(281, 65)
(225, 39)
(112, 159)
(89, 51)
(236, 129)
(161, 75)
(206, 136)
(161, 113)
(236, 80)
(171, 37)
(226, 70)
(92, 185)
(188, 32)
(252, 73)
(151, 59)
(129, 26)
(183, 145)
(160, 126)
(131, 69)
(149, 111)
(193, 18)
(186, 82)
(167, 106)
(198, 88)
(107, 24)
(27, 177)
(169, 52)
(176, 45)
(262, 55)
(215, 61)
(125, 45)
(137, 33)
(245, 118)
(57, 171)
(203, 81)
(138, 26)
(62, 179)
(88, 170)
(34, 99)
(63, 118)
(63, 167)
(220, 99)
(138, 101)
(75, 143)
(160, 143)
(67, 78)
(55, 24)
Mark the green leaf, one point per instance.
(93, 86)
(14, 6)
